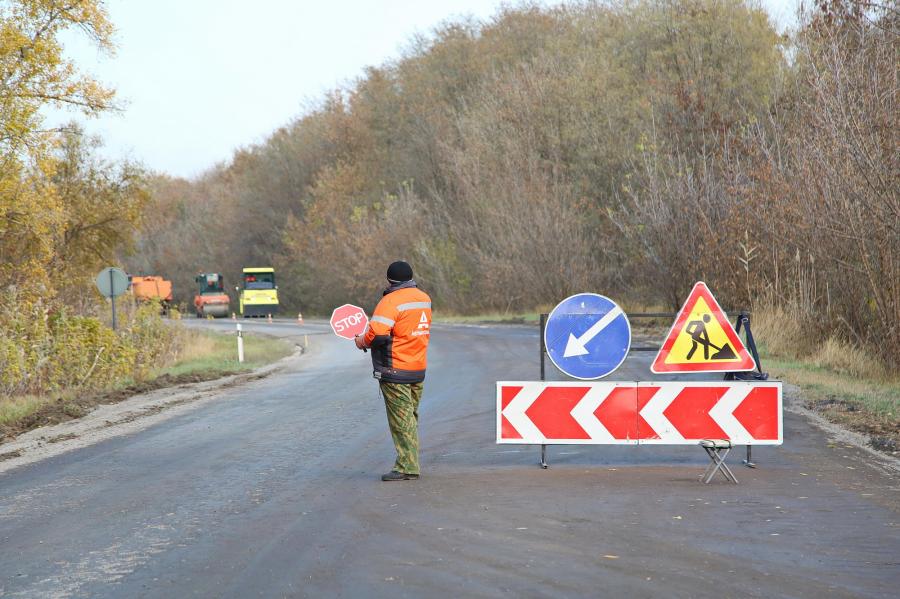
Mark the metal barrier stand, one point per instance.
(543, 347)
(748, 462)
(668, 315)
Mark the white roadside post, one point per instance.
(240, 340)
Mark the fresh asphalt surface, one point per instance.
(273, 490)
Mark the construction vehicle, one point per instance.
(152, 287)
(211, 299)
(259, 295)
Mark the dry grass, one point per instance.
(491, 317)
(16, 408)
(197, 345)
(781, 334)
(845, 358)
(207, 351)
(651, 329)
(880, 398)
(837, 378)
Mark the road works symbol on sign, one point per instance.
(587, 336)
(632, 413)
(348, 321)
(702, 339)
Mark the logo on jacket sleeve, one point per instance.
(423, 328)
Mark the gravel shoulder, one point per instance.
(889, 463)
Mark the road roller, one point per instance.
(211, 299)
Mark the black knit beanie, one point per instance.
(399, 271)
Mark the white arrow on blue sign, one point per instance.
(587, 336)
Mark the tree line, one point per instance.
(625, 147)
(628, 147)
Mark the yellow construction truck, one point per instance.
(259, 294)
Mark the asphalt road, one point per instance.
(273, 490)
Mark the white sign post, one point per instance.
(240, 340)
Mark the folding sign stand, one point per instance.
(717, 450)
(743, 322)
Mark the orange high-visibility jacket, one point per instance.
(398, 334)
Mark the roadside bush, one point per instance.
(154, 342)
(83, 352)
(44, 348)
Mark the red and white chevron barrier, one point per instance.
(669, 413)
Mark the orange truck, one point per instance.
(211, 299)
(152, 287)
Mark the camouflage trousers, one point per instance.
(401, 400)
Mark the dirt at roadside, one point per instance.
(64, 408)
(883, 436)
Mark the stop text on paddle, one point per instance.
(348, 321)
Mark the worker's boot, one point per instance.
(394, 475)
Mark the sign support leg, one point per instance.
(749, 462)
(112, 299)
(544, 463)
(744, 322)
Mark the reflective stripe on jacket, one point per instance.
(398, 334)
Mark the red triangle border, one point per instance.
(701, 290)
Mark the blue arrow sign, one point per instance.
(587, 336)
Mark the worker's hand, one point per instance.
(360, 342)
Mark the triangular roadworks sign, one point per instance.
(702, 339)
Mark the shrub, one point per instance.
(45, 348)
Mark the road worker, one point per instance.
(398, 335)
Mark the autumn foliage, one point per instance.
(629, 148)
(64, 214)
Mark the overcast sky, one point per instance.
(199, 78)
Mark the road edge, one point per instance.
(794, 404)
(132, 415)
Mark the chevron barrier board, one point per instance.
(631, 413)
